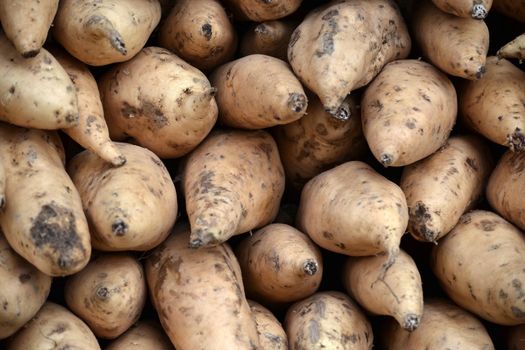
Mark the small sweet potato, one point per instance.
(458, 46)
(269, 38)
(514, 49)
(144, 335)
(279, 264)
(108, 294)
(199, 295)
(233, 183)
(271, 333)
(260, 11)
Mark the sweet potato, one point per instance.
(43, 219)
(279, 264)
(477, 9)
(318, 142)
(99, 33)
(480, 265)
(27, 22)
(458, 46)
(443, 326)
(513, 49)
(131, 207)
(199, 32)
(243, 93)
(35, 92)
(92, 131)
(372, 30)
(23, 290)
(516, 337)
(443, 186)
(327, 320)
(506, 187)
(351, 209)
(199, 295)
(269, 38)
(232, 182)
(260, 11)
(54, 327)
(108, 294)
(143, 335)
(271, 333)
(493, 105)
(408, 112)
(396, 292)
(511, 8)
(162, 102)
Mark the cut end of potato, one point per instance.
(119, 227)
(480, 72)
(201, 238)
(310, 267)
(30, 53)
(420, 218)
(386, 159)
(297, 102)
(479, 11)
(411, 322)
(341, 113)
(516, 140)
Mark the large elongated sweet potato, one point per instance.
(480, 264)
(199, 295)
(373, 31)
(233, 182)
(26, 23)
(103, 32)
(162, 102)
(43, 218)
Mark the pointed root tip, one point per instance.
(479, 11)
(297, 102)
(516, 140)
(310, 267)
(340, 113)
(411, 322)
(119, 227)
(119, 160)
(30, 53)
(386, 159)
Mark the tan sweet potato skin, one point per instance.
(443, 326)
(353, 210)
(199, 295)
(317, 141)
(233, 182)
(108, 294)
(131, 207)
(492, 105)
(100, 33)
(477, 9)
(514, 49)
(143, 335)
(92, 131)
(506, 187)
(443, 186)
(23, 290)
(162, 102)
(26, 23)
(396, 292)
(373, 30)
(480, 264)
(243, 93)
(269, 38)
(271, 333)
(35, 92)
(43, 218)
(327, 320)
(54, 327)
(408, 112)
(260, 11)
(280, 264)
(200, 32)
(458, 46)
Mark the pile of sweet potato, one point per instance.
(246, 174)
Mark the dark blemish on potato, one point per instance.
(340, 245)
(328, 235)
(376, 104)
(494, 247)
(266, 148)
(12, 89)
(516, 140)
(119, 227)
(472, 164)
(314, 331)
(295, 36)
(206, 30)
(517, 312)
(471, 291)
(327, 39)
(59, 329)
(516, 284)
(297, 102)
(486, 225)
(274, 258)
(420, 218)
(54, 228)
(23, 278)
(321, 129)
(410, 123)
